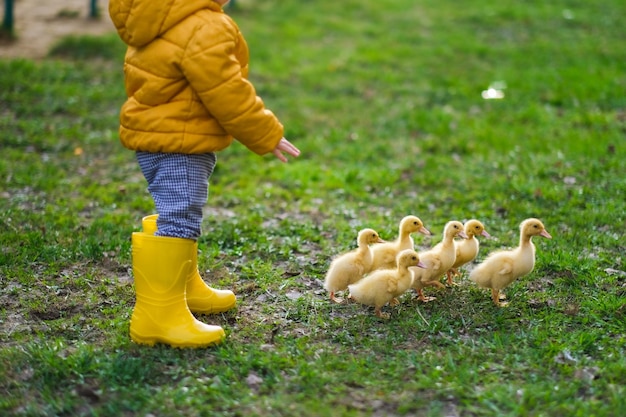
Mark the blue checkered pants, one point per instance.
(179, 185)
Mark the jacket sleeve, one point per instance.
(211, 66)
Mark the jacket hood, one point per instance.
(139, 22)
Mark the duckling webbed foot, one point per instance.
(381, 315)
(422, 297)
(394, 302)
(496, 297)
(451, 274)
(337, 300)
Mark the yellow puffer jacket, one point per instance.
(186, 79)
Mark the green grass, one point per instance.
(384, 100)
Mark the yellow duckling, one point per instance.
(501, 268)
(350, 267)
(384, 285)
(385, 254)
(466, 249)
(437, 260)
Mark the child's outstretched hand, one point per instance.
(285, 146)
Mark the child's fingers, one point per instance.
(286, 146)
(278, 154)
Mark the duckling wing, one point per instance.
(466, 251)
(434, 266)
(392, 285)
(494, 272)
(506, 273)
(506, 267)
(344, 270)
(383, 255)
(370, 289)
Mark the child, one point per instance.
(188, 97)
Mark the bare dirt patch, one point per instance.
(39, 24)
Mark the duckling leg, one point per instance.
(435, 283)
(394, 302)
(335, 299)
(451, 273)
(381, 314)
(496, 297)
(423, 298)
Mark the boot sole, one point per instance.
(151, 341)
(213, 310)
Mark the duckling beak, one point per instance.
(420, 264)
(424, 231)
(545, 234)
(484, 233)
(381, 241)
(462, 234)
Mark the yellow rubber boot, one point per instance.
(200, 297)
(161, 266)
